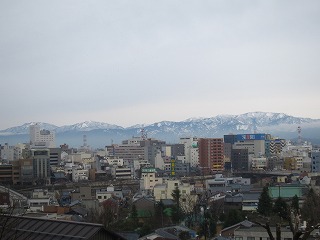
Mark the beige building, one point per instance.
(258, 163)
(255, 147)
(149, 179)
(41, 137)
(164, 191)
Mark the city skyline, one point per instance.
(142, 62)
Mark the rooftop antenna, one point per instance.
(143, 134)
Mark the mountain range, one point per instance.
(99, 134)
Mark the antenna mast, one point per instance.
(143, 134)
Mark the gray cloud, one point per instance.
(128, 62)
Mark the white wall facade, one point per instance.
(191, 150)
(41, 137)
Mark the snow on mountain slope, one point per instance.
(205, 127)
(87, 126)
(24, 129)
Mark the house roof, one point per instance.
(254, 196)
(245, 223)
(173, 231)
(145, 199)
(129, 235)
(46, 229)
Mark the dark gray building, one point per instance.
(240, 159)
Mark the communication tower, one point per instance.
(143, 134)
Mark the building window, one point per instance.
(250, 238)
(238, 238)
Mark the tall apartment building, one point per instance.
(191, 150)
(41, 137)
(211, 154)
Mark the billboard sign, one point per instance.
(244, 137)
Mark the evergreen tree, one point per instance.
(234, 216)
(265, 203)
(176, 194)
(134, 212)
(295, 204)
(310, 210)
(281, 208)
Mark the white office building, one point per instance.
(41, 137)
(191, 150)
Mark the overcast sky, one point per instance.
(130, 62)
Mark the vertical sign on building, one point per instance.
(173, 165)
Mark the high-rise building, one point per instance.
(191, 150)
(211, 154)
(41, 137)
(41, 164)
(239, 159)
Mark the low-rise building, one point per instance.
(40, 198)
(80, 174)
(122, 173)
(164, 191)
(109, 192)
(149, 179)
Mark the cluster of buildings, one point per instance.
(203, 169)
(40, 161)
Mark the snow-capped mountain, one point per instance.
(24, 129)
(224, 124)
(101, 134)
(86, 126)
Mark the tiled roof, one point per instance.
(21, 228)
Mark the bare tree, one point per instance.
(310, 215)
(9, 223)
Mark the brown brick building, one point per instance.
(211, 154)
